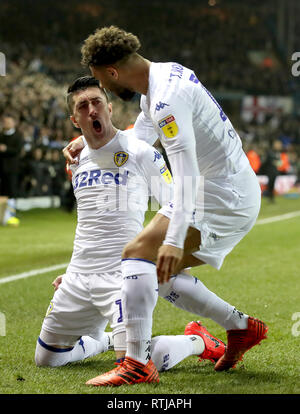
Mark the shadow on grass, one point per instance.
(241, 373)
(101, 365)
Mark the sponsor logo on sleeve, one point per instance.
(157, 155)
(160, 105)
(168, 126)
(166, 174)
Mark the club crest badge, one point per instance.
(120, 158)
(50, 308)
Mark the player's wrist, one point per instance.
(173, 243)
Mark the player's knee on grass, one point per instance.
(47, 358)
(53, 350)
(57, 349)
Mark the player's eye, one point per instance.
(82, 106)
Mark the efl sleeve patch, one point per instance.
(168, 126)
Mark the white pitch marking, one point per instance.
(278, 218)
(32, 273)
(64, 265)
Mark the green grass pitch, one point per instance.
(260, 277)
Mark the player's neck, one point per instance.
(139, 74)
(96, 142)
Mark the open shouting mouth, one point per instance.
(97, 126)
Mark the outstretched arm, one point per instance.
(186, 178)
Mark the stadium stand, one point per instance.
(236, 48)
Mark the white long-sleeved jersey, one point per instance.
(112, 186)
(197, 135)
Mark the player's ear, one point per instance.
(74, 122)
(109, 105)
(112, 71)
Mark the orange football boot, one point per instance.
(128, 372)
(239, 341)
(214, 347)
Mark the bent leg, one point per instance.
(190, 294)
(168, 350)
(139, 297)
(57, 350)
(146, 244)
(139, 289)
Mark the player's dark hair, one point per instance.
(108, 46)
(81, 84)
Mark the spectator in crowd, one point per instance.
(270, 167)
(39, 173)
(294, 164)
(57, 173)
(294, 158)
(11, 143)
(284, 166)
(254, 158)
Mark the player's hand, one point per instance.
(72, 150)
(167, 260)
(57, 282)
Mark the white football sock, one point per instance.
(168, 351)
(119, 341)
(46, 354)
(189, 293)
(139, 296)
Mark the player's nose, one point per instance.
(92, 111)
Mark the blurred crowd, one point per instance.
(273, 149)
(43, 57)
(217, 42)
(34, 128)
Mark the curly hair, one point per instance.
(107, 46)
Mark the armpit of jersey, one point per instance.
(168, 126)
(144, 130)
(154, 168)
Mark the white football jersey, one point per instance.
(184, 112)
(112, 186)
(198, 137)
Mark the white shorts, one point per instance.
(230, 209)
(85, 303)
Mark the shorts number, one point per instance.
(119, 302)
